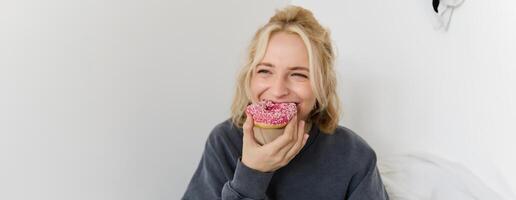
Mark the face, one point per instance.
(283, 74)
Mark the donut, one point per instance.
(269, 114)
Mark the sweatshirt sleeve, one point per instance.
(215, 178)
(369, 184)
(246, 184)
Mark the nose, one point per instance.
(279, 88)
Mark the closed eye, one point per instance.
(263, 71)
(300, 75)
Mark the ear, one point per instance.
(435, 4)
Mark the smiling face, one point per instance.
(283, 74)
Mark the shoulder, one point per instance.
(348, 143)
(353, 140)
(225, 129)
(224, 135)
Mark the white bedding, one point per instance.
(428, 177)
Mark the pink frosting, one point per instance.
(269, 113)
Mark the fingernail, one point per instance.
(306, 136)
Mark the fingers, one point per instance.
(287, 137)
(248, 131)
(300, 142)
(283, 151)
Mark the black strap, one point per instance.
(435, 3)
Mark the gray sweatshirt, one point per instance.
(338, 166)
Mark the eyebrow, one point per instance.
(291, 68)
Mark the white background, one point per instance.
(115, 99)
(408, 88)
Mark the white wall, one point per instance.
(409, 88)
(114, 99)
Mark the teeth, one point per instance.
(278, 102)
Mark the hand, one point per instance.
(277, 153)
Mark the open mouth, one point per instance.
(297, 103)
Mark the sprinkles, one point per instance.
(268, 114)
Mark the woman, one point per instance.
(290, 59)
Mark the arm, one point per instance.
(214, 177)
(247, 184)
(369, 184)
(218, 177)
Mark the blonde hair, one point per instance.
(300, 21)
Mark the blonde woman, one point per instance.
(290, 59)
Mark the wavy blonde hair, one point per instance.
(300, 21)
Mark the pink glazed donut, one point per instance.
(268, 114)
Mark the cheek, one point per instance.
(257, 87)
(305, 92)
